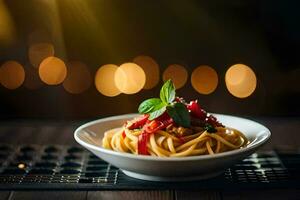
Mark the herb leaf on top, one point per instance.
(150, 105)
(155, 107)
(179, 113)
(167, 92)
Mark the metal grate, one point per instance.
(71, 167)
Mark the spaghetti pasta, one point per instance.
(204, 143)
(170, 127)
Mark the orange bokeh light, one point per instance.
(150, 68)
(104, 80)
(240, 80)
(130, 78)
(177, 73)
(52, 71)
(204, 79)
(12, 75)
(39, 51)
(78, 78)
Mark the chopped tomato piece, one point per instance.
(137, 122)
(196, 110)
(181, 139)
(123, 134)
(142, 143)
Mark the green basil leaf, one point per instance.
(157, 113)
(149, 105)
(167, 92)
(179, 113)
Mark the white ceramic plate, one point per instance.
(153, 168)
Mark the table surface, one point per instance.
(284, 134)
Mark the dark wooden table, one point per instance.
(285, 132)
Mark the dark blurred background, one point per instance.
(264, 36)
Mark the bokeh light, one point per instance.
(12, 75)
(130, 78)
(177, 73)
(38, 52)
(105, 82)
(78, 78)
(52, 71)
(21, 166)
(150, 68)
(240, 80)
(204, 79)
(32, 79)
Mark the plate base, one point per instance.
(171, 178)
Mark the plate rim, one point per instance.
(267, 133)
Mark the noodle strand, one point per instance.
(165, 144)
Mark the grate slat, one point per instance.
(72, 167)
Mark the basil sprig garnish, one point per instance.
(155, 107)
